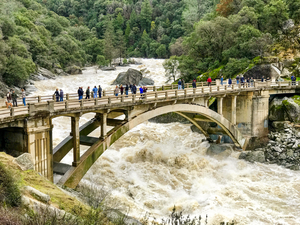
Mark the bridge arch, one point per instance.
(73, 176)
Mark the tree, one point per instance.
(120, 44)
(171, 68)
(146, 16)
(161, 51)
(108, 43)
(101, 60)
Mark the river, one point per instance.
(156, 166)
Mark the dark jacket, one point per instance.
(56, 93)
(179, 82)
(126, 88)
(14, 96)
(61, 94)
(134, 89)
(87, 92)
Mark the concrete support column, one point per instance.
(103, 125)
(76, 140)
(233, 109)
(206, 102)
(260, 112)
(220, 106)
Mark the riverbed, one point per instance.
(156, 166)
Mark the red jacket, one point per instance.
(209, 79)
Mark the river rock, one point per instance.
(25, 161)
(253, 156)
(37, 194)
(132, 76)
(73, 70)
(266, 70)
(292, 109)
(222, 150)
(108, 68)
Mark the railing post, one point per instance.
(145, 96)
(210, 88)
(39, 99)
(92, 94)
(81, 103)
(122, 98)
(154, 88)
(172, 86)
(53, 97)
(225, 87)
(156, 96)
(166, 94)
(232, 86)
(104, 93)
(96, 101)
(202, 89)
(194, 91)
(133, 98)
(185, 93)
(176, 93)
(218, 88)
(12, 111)
(163, 87)
(290, 83)
(66, 104)
(109, 100)
(67, 97)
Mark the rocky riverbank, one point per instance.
(282, 149)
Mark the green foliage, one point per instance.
(9, 190)
(235, 66)
(101, 60)
(171, 68)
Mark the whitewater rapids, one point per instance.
(156, 166)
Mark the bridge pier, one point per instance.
(220, 105)
(233, 109)
(260, 112)
(76, 140)
(38, 134)
(103, 125)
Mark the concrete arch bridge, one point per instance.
(242, 112)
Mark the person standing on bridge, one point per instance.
(242, 81)
(248, 82)
(141, 92)
(14, 98)
(237, 79)
(80, 93)
(183, 83)
(87, 93)
(95, 90)
(229, 82)
(221, 79)
(116, 92)
(100, 91)
(126, 89)
(209, 81)
(121, 89)
(8, 97)
(179, 84)
(61, 95)
(251, 82)
(56, 93)
(194, 83)
(293, 79)
(263, 79)
(24, 97)
(134, 89)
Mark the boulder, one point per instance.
(25, 161)
(255, 156)
(108, 68)
(223, 150)
(276, 110)
(280, 125)
(266, 70)
(42, 74)
(285, 73)
(146, 81)
(73, 70)
(292, 109)
(37, 194)
(132, 76)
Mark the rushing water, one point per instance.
(156, 166)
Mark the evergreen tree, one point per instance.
(109, 42)
(146, 16)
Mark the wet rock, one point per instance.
(266, 70)
(25, 161)
(132, 76)
(223, 150)
(146, 81)
(108, 68)
(253, 156)
(73, 70)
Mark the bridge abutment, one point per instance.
(260, 113)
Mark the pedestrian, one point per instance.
(293, 79)
(182, 83)
(56, 93)
(100, 91)
(194, 83)
(141, 91)
(116, 91)
(80, 93)
(248, 82)
(121, 89)
(262, 79)
(134, 89)
(209, 81)
(222, 80)
(237, 79)
(131, 88)
(126, 89)
(242, 81)
(251, 82)
(24, 97)
(95, 90)
(145, 89)
(87, 93)
(229, 82)
(8, 97)
(61, 95)
(14, 98)
(179, 84)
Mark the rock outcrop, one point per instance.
(266, 70)
(25, 162)
(284, 109)
(73, 70)
(132, 76)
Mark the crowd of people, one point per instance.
(12, 98)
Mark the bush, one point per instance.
(9, 191)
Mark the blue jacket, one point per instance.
(229, 81)
(141, 90)
(179, 82)
(95, 90)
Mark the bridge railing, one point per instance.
(47, 102)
